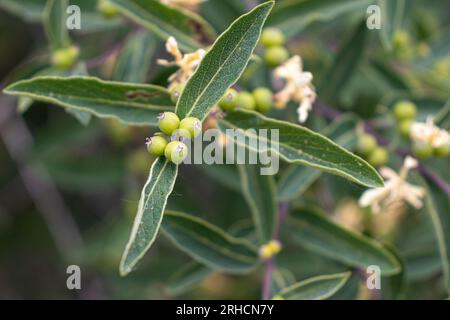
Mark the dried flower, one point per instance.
(428, 133)
(297, 88)
(187, 63)
(396, 190)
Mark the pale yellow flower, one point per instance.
(269, 249)
(427, 132)
(297, 87)
(187, 63)
(396, 190)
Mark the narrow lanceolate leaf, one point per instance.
(209, 244)
(297, 144)
(190, 30)
(134, 61)
(259, 192)
(152, 203)
(223, 64)
(294, 16)
(297, 179)
(392, 13)
(55, 23)
(314, 231)
(315, 288)
(136, 104)
(187, 277)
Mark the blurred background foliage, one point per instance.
(97, 169)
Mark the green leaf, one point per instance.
(392, 15)
(189, 29)
(298, 144)
(223, 64)
(314, 231)
(55, 23)
(345, 63)
(297, 179)
(157, 189)
(209, 244)
(294, 16)
(29, 10)
(315, 288)
(136, 104)
(187, 277)
(259, 192)
(134, 60)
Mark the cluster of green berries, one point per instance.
(368, 147)
(405, 113)
(261, 99)
(65, 58)
(170, 141)
(273, 41)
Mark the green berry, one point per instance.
(275, 56)
(405, 110)
(107, 9)
(66, 57)
(229, 100)
(441, 151)
(366, 143)
(192, 125)
(405, 127)
(176, 151)
(277, 297)
(168, 122)
(378, 157)
(271, 37)
(246, 101)
(422, 150)
(263, 99)
(156, 145)
(175, 92)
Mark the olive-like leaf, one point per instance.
(315, 288)
(298, 144)
(311, 229)
(209, 244)
(259, 192)
(152, 203)
(190, 30)
(187, 277)
(55, 23)
(223, 64)
(137, 104)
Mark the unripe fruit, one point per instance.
(275, 56)
(107, 9)
(277, 297)
(168, 122)
(441, 151)
(263, 99)
(366, 144)
(229, 100)
(175, 92)
(180, 135)
(66, 57)
(271, 37)
(246, 101)
(176, 151)
(192, 125)
(405, 110)
(405, 127)
(156, 145)
(422, 150)
(378, 157)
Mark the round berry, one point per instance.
(263, 99)
(271, 37)
(229, 100)
(378, 157)
(366, 143)
(405, 110)
(176, 151)
(192, 125)
(275, 56)
(441, 151)
(175, 92)
(156, 145)
(246, 101)
(405, 127)
(66, 57)
(422, 150)
(107, 9)
(168, 122)
(180, 135)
